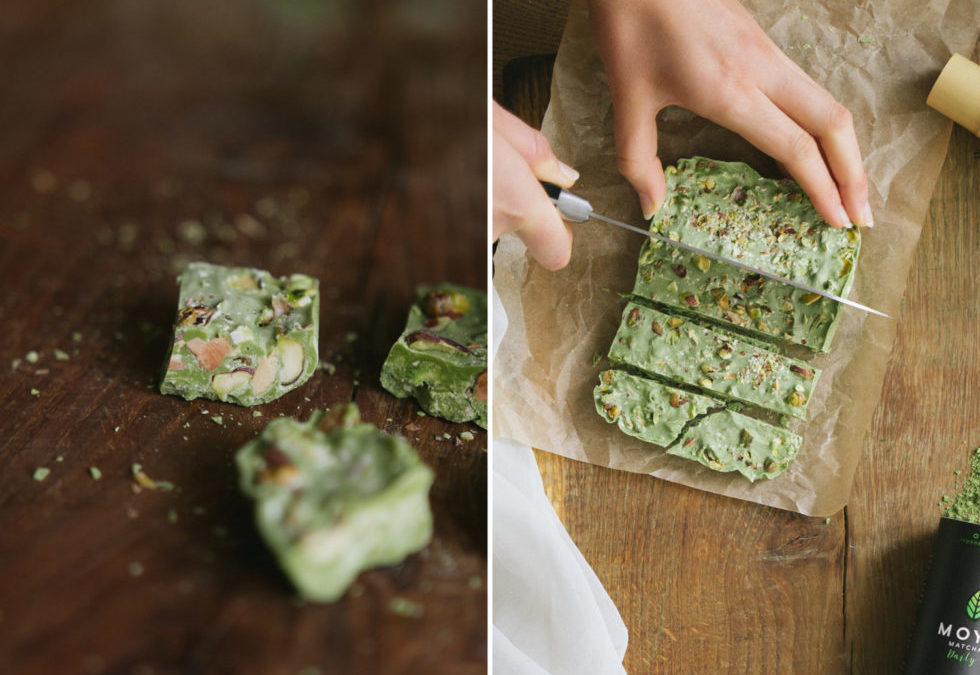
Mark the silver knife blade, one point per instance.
(578, 209)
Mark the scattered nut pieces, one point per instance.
(35, 392)
(41, 472)
(31, 356)
(94, 472)
(60, 355)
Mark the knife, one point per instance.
(576, 209)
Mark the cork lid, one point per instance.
(956, 93)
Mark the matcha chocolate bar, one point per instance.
(441, 357)
(242, 335)
(698, 286)
(730, 441)
(729, 209)
(678, 350)
(646, 409)
(333, 503)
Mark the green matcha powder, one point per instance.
(966, 505)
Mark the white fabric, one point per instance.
(551, 615)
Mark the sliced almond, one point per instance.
(223, 383)
(209, 354)
(265, 373)
(293, 357)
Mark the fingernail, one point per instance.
(845, 219)
(869, 220)
(570, 173)
(647, 205)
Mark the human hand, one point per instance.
(711, 57)
(522, 157)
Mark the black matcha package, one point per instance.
(946, 639)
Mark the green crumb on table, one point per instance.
(966, 503)
(59, 458)
(31, 356)
(76, 336)
(826, 521)
(420, 413)
(94, 472)
(193, 232)
(146, 482)
(135, 569)
(467, 436)
(41, 472)
(406, 608)
(35, 392)
(217, 419)
(328, 367)
(256, 413)
(60, 355)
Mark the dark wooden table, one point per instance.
(344, 140)
(710, 584)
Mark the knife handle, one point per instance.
(571, 207)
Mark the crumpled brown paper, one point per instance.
(878, 59)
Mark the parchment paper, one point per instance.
(878, 59)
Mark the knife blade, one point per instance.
(578, 210)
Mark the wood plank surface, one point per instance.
(343, 140)
(709, 584)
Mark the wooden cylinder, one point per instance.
(956, 93)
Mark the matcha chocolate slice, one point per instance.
(729, 209)
(678, 350)
(441, 357)
(242, 335)
(333, 503)
(698, 286)
(729, 441)
(646, 409)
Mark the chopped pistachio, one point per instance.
(95, 472)
(60, 355)
(31, 356)
(35, 392)
(41, 472)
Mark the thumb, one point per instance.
(636, 153)
(532, 145)
(521, 206)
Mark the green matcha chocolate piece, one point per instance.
(441, 357)
(696, 286)
(648, 410)
(730, 441)
(333, 503)
(242, 335)
(727, 208)
(678, 350)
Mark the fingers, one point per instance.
(533, 147)
(635, 127)
(830, 123)
(521, 206)
(757, 119)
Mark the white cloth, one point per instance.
(551, 615)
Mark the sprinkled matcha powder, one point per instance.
(966, 504)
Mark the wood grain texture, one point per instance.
(347, 143)
(708, 584)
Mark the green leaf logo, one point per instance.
(973, 606)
